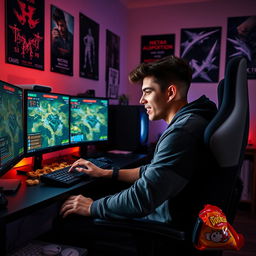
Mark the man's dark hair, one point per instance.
(58, 15)
(166, 71)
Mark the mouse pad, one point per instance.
(9, 185)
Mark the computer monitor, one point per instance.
(11, 126)
(88, 120)
(46, 121)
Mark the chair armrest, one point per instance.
(156, 228)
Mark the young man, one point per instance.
(167, 189)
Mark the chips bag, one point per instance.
(212, 231)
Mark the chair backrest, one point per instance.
(227, 134)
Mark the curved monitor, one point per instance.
(11, 126)
(88, 120)
(46, 121)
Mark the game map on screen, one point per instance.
(88, 120)
(47, 120)
(11, 126)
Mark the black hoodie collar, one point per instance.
(202, 106)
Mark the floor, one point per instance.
(245, 224)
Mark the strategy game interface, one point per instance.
(88, 120)
(11, 126)
(47, 120)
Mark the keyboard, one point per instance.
(63, 178)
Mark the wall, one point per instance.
(170, 19)
(130, 24)
(108, 14)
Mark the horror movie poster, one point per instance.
(156, 47)
(62, 30)
(241, 41)
(89, 48)
(25, 33)
(112, 64)
(201, 48)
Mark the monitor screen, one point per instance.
(88, 120)
(47, 121)
(11, 125)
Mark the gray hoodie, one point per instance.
(169, 185)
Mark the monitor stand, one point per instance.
(83, 151)
(37, 162)
(89, 151)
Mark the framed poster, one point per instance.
(89, 48)
(201, 48)
(156, 47)
(62, 29)
(112, 64)
(25, 33)
(113, 83)
(241, 41)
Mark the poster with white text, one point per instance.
(241, 41)
(62, 30)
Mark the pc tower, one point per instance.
(128, 128)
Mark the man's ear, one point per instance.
(171, 91)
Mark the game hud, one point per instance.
(88, 120)
(11, 126)
(47, 120)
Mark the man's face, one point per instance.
(154, 100)
(62, 27)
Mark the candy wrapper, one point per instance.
(212, 231)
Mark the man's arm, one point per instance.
(82, 205)
(127, 175)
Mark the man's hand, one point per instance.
(76, 204)
(89, 168)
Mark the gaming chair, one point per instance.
(226, 136)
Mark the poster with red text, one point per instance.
(156, 47)
(25, 33)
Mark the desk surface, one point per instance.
(33, 197)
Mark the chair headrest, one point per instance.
(227, 133)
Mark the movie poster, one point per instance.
(112, 64)
(89, 48)
(201, 48)
(62, 30)
(156, 47)
(25, 33)
(241, 41)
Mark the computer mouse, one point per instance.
(105, 159)
(51, 249)
(70, 252)
(3, 201)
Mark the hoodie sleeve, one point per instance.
(163, 178)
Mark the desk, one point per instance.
(251, 152)
(30, 199)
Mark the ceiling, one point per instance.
(150, 3)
